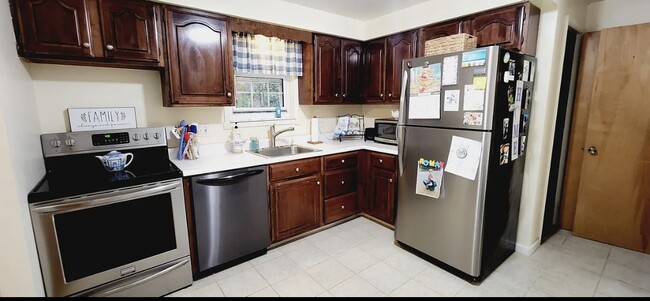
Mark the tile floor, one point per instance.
(359, 258)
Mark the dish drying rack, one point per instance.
(349, 126)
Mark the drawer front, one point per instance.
(340, 207)
(293, 169)
(341, 161)
(340, 182)
(383, 161)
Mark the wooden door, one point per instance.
(295, 207)
(56, 27)
(614, 193)
(374, 64)
(380, 201)
(130, 30)
(200, 59)
(328, 61)
(351, 71)
(399, 47)
(499, 27)
(440, 30)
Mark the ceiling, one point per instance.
(358, 9)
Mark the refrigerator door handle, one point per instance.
(400, 148)
(402, 98)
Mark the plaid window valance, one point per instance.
(263, 55)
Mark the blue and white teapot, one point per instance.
(115, 161)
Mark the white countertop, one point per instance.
(214, 157)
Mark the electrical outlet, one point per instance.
(202, 130)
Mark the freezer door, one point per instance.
(454, 90)
(448, 228)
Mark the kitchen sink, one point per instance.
(286, 150)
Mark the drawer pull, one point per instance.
(297, 169)
(342, 207)
(318, 183)
(390, 180)
(342, 182)
(342, 161)
(381, 161)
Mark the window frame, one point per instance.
(285, 91)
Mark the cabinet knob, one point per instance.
(229, 94)
(390, 94)
(86, 45)
(297, 169)
(336, 95)
(342, 207)
(381, 95)
(343, 94)
(381, 161)
(390, 180)
(318, 183)
(342, 182)
(342, 161)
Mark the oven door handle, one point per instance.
(108, 198)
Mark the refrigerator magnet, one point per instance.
(480, 82)
(527, 101)
(473, 118)
(429, 178)
(450, 71)
(473, 99)
(526, 70)
(524, 125)
(514, 152)
(464, 157)
(452, 99)
(532, 71)
(506, 57)
(506, 127)
(474, 58)
(511, 99)
(523, 145)
(504, 151)
(426, 80)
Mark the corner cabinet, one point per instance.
(338, 70)
(119, 33)
(199, 69)
(514, 28)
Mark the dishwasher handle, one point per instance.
(230, 178)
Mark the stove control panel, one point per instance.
(96, 141)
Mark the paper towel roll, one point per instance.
(314, 130)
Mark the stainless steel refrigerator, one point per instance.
(462, 147)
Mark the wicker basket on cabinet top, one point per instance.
(452, 43)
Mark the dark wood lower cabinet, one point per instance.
(380, 201)
(295, 207)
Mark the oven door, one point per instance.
(91, 240)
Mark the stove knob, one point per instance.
(146, 136)
(55, 142)
(136, 137)
(69, 142)
(156, 136)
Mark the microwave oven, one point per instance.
(386, 131)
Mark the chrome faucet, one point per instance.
(275, 134)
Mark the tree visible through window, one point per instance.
(258, 93)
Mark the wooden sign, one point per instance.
(91, 119)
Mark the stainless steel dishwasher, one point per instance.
(231, 215)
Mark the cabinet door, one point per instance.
(400, 47)
(328, 71)
(295, 207)
(380, 201)
(440, 30)
(499, 27)
(374, 64)
(130, 30)
(351, 71)
(55, 27)
(200, 59)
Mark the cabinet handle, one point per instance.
(381, 95)
(390, 94)
(336, 95)
(390, 180)
(110, 47)
(342, 182)
(342, 207)
(297, 169)
(229, 94)
(318, 183)
(381, 161)
(343, 95)
(86, 45)
(342, 161)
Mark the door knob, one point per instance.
(110, 47)
(593, 151)
(86, 45)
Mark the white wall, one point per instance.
(432, 11)
(614, 13)
(21, 166)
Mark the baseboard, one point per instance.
(528, 250)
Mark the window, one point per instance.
(259, 93)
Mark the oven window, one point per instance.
(386, 131)
(97, 239)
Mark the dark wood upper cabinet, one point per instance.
(440, 30)
(56, 27)
(513, 27)
(399, 47)
(130, 30)
(328, 70)
(199, 71)
(120, 33)
(351, 62)
(374, 64)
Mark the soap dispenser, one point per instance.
(278, 111)
(236, 140)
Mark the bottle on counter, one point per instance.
(255, 144)
(237, 140)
